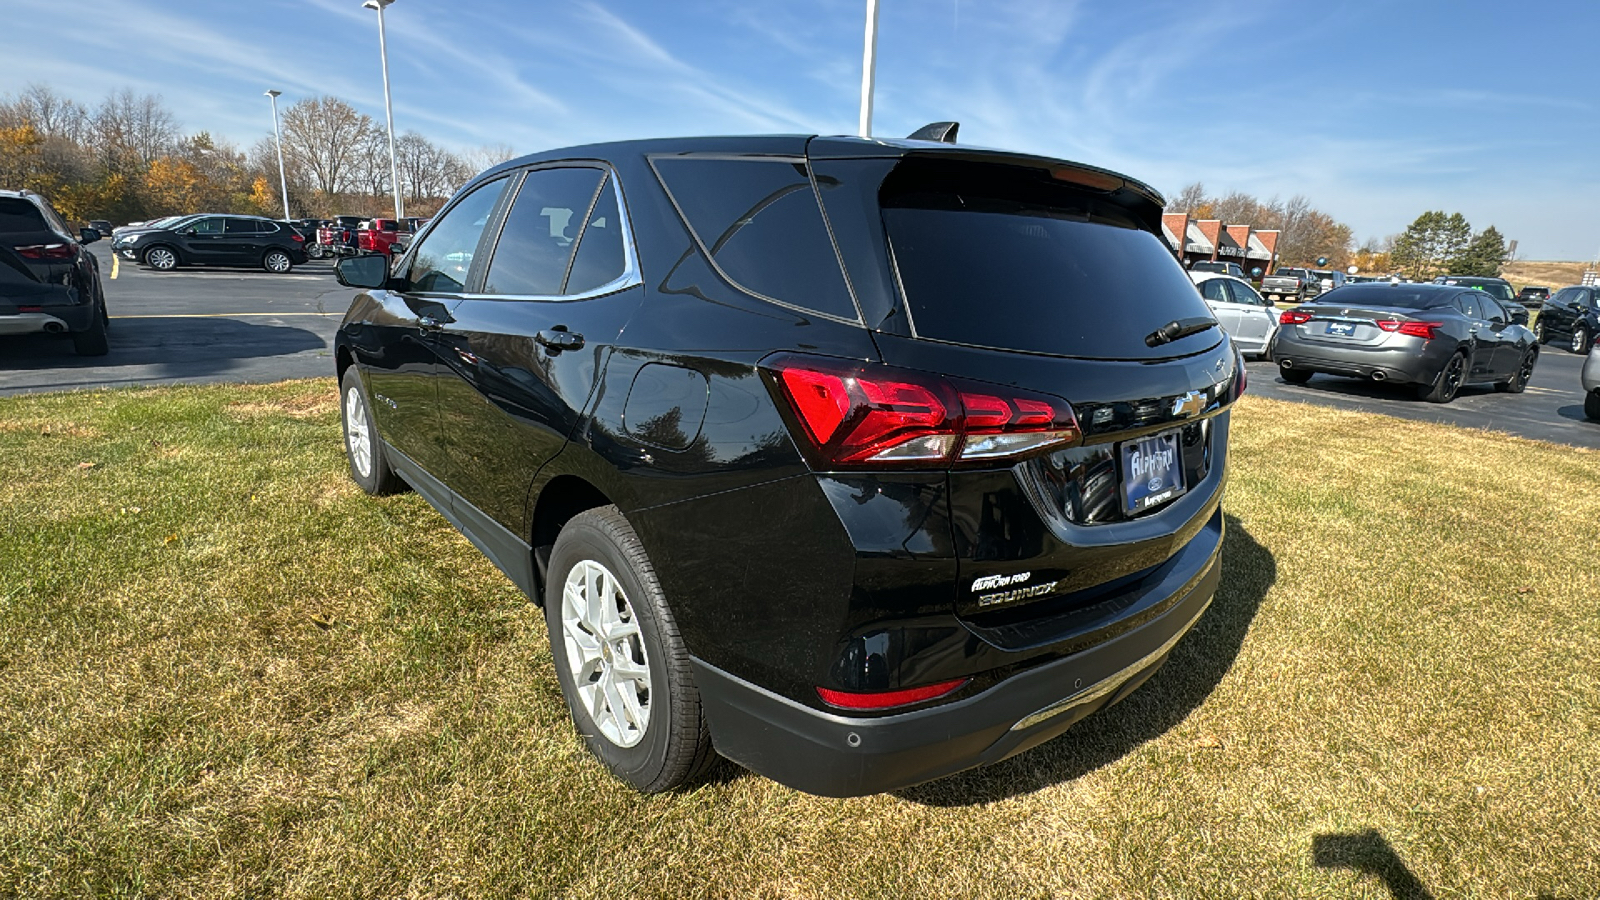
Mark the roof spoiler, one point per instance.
(940, 132)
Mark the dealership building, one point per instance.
(1193, 240)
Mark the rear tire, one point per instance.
(277, 262)
(1539, 335)
(1295, 376)
(1580, 340)
(622, 666)
(363, 447)
(1448, 384)
(1591, 405)
(93, 342)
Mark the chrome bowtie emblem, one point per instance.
(1188, 404)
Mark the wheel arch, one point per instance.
(564, 497)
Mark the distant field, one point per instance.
(1551, 273)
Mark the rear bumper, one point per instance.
(841, 755)
(35, 323)
(1398, 364)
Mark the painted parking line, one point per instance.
(115, 267)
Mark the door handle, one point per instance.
(558, 339)
(428, 323)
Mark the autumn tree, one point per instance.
(329, 139)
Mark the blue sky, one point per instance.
(1375, 111)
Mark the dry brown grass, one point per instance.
(223, 673)
(1551, 274)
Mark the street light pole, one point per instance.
(388, 107)
(283, 180)
(869, 65)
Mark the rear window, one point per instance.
(1402, 296)
(17, 215)
(759, 222)
(998, 256)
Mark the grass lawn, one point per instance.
(224, 672)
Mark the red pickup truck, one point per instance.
(380, 235)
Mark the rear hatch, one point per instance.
(1051, 278)
(35, 261)
(1355, 326)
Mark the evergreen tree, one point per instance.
(1484, 256)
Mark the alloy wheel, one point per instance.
(605, 653)
(162, 259)
(1452, 376)
(278, 261)
(357, 433)
(1580, 340)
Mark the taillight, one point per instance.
(863, 414)
(888, 699)
(1294, 317)
(298, 238)
(1426, 330)
(46, 251)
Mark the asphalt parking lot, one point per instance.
(247, 325)
(192, 325)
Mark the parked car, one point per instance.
(1224, 268)
(1365, 279)
(337, 237)
(1245, 315)
(1328, 279)
(380, 235)
(830, 516)
(101, 227)
(1572, 315)
(1591, 384)
(1291, 284)
(1533, 296)
(216, 240)
(49, 281)
(150, 225)
(1435, 337)
(1499, 288)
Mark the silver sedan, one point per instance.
(1244, 314)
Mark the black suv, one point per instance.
(1572, 315)
(1498, 288)
(49, 281)
(861, 462)
(1533, 296)
(216, 240)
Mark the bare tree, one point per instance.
(51, 115)
(128, 130)
(328, 139)
(1191, 197)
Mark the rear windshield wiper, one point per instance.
(1179, 328)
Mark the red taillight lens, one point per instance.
(298, 238)
(860, 414)
(1294, 317)
(1420, 329)
(46, 251)
(889, 699)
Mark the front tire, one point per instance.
(622, 666)
(1580, 340)
(1519, 381)
(1591, 405)
(1448, 384)
(277, 262)
(363, 448)
(1539, 334)
(161, 258)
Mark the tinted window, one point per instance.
(1491, 309)
(601, 257)
(18, 215)
(1402, 296)
(209, 225)
(541, 231)
(1468, 304)
(1563, 297)
(1003, 257)
(760, 222)
(441, 261)
(242, 226)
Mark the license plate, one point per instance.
(1152, 471)
(1342, 328)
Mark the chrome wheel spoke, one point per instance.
(605, 653)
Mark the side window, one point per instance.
(759, 221)
(1492, 310)
(240, 226)
(1212, 290)
(602, 255)
(441, 262)
(1591, 295)
(1468, 304)
(541, 232)
(1563, 297)
(1243, 293)
(208, 225)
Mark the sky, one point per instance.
(1375, 111)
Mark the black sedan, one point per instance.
(1572, 316)
(1433, 336)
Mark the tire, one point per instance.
(1591, 405)
(1539, 334)
(1580, 340)
(641, 716)
(277, 262)
(161, 258)
(93, 342)
(1295, 376)
(1448, 383)
(1519, 380)
(363, 447)
(314, 251)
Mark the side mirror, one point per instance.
(191, 231)
(1519, 317)
(88, 235)
(397, 248)
(369, 270)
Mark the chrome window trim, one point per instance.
(712, 261)
(631, 275)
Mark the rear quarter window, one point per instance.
(17, 215)
(758, 221)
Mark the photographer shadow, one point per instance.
(1192, 671)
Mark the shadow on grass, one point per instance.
(1369, 853)
(1191, 673)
